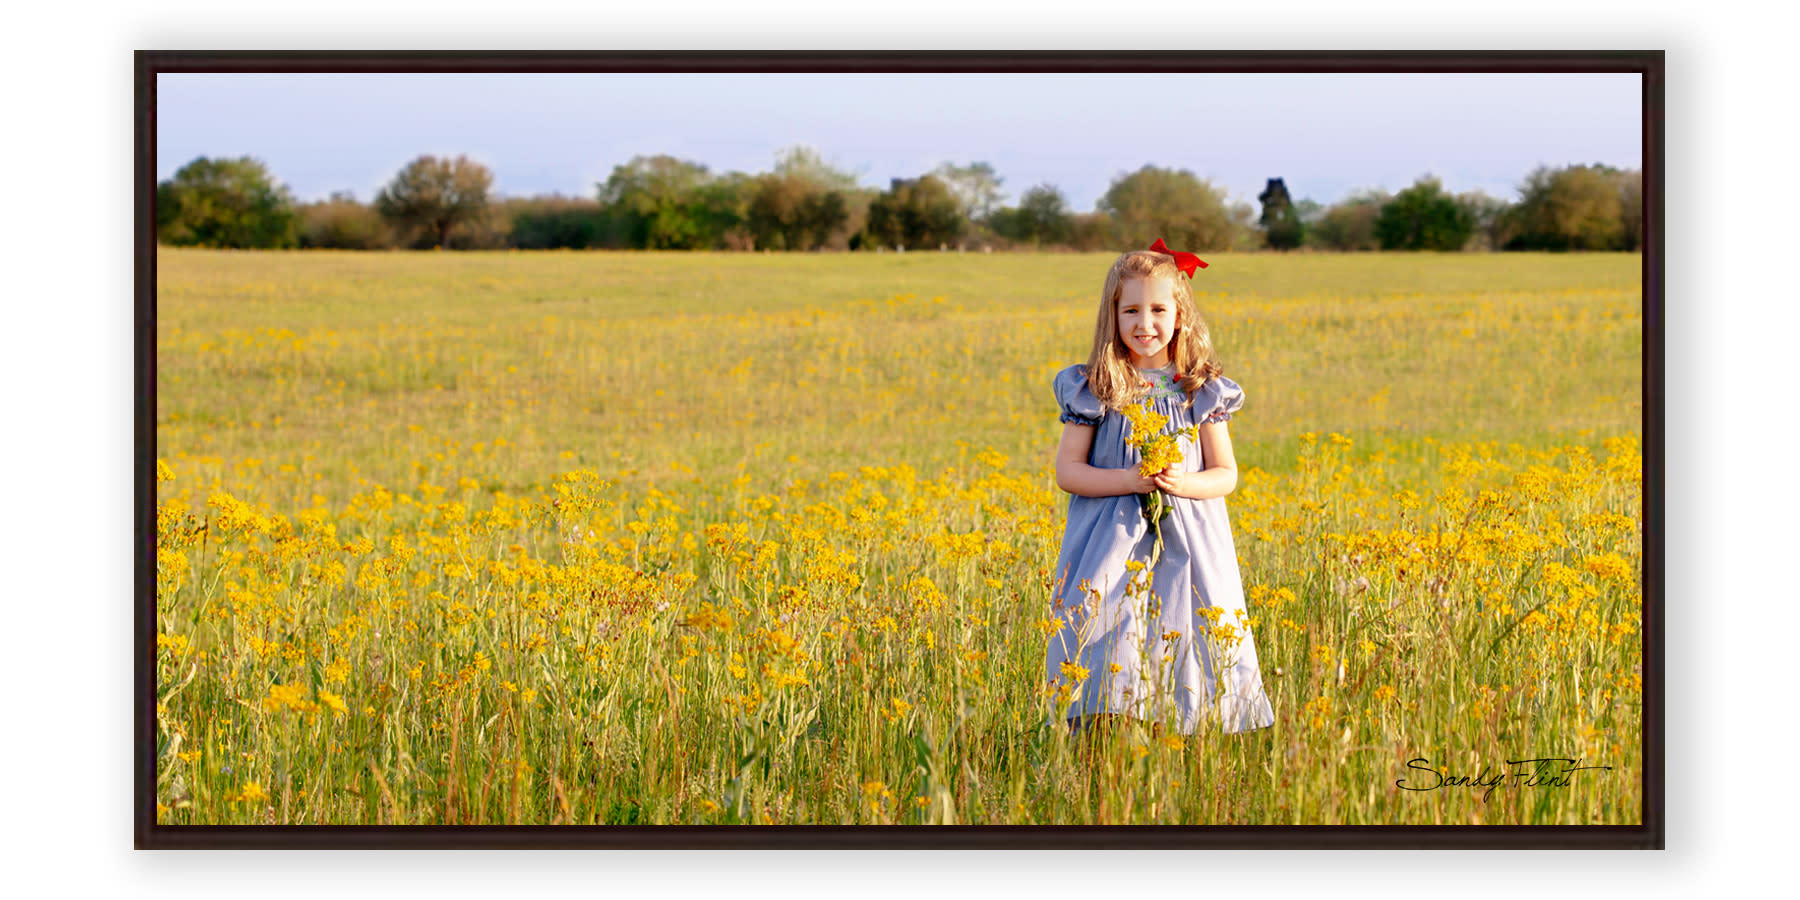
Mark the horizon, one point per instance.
(551, 134)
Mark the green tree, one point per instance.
(1423, 217)
(1350, 223)
(1282, 229)
(435, 195)
(804, 163)
(804, 203)
(664, 203)
(790, 212)
(341, 223)
(915, 213)
(1042, 217)
(225, 203)
(1576, 208)
(821, 216)
(1089, 232)
(721, 206)
(1631, 210)
(1488, 213)
(773, 212)
(555, 222)
(1188, 213)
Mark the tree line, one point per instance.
(803, 204)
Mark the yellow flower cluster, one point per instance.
(289, 697)
(1157, 449)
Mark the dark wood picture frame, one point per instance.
(149, 834)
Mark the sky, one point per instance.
(1326, 135)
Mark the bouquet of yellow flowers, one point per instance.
(1157, 450)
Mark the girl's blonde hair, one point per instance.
(1109, 371)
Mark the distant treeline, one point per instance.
(664, 203)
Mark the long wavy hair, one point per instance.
(1109, 371)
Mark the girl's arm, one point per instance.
(1216, 479)
(1073, 474)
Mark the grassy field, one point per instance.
(716, 538)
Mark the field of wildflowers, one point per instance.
(687, 538)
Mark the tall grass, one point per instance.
(669, 538)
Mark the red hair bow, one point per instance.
(1186, 262)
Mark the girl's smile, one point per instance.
(1147, 320)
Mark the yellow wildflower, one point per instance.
(333, 701)
(250, 793)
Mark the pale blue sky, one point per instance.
(1327, 135)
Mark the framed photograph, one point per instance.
(899, 450)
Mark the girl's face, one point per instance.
(1147, 320)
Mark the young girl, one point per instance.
(1170, 644)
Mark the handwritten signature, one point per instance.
(1548, 771)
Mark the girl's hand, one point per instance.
(1139, 484)
(1170, 482)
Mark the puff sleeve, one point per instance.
(1077, 402)
(1220, 397)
